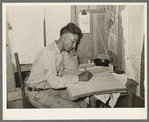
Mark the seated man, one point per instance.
(46, 83)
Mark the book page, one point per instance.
(99, 82)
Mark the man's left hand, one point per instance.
(72, 53)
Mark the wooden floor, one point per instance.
(138, 102)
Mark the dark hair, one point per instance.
(71, 28)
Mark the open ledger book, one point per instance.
(102, 81)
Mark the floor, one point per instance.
(138, 102)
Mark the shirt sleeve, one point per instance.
(50, 73)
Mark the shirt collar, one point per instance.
(55, 47)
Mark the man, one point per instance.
(46, 83)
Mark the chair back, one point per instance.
(20, 78)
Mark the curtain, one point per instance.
(133, 32)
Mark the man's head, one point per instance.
(71, 28)
(70, 35)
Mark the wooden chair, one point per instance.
(26, 103)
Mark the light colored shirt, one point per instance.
(48, 64)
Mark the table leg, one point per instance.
(131, 85)
(130, 96)
(92, 102)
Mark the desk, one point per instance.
(130, 88)
(99, 85)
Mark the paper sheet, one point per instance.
(99, 82)
(84, 22)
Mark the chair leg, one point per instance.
(101, 105)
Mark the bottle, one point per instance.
(89, 61)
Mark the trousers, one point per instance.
(54, 99)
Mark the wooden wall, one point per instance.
(99, 33)
(84, 50)
(142, 74)
(91, 44)
(118, 58)
(88, 48)
(10, 77)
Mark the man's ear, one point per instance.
(63, 37)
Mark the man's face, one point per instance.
(69, 41)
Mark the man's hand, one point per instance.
(85, 76)
(72, 53)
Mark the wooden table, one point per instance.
(129, 91)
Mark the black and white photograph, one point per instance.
(74, 61)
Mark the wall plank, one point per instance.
(16, 95)
(98, 23)
(73, 14)
(11, 86)
(118, 56)
(85, 49)
(120, 38)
